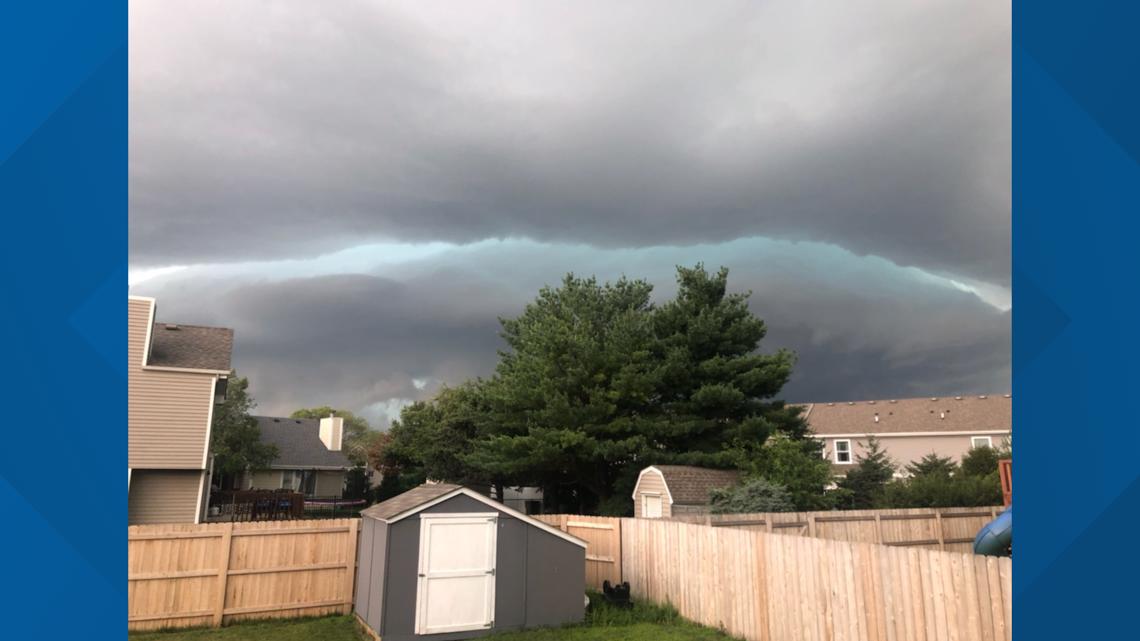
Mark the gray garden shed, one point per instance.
(445, 562)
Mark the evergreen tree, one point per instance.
(932, 465)
(756, 494)
(865, 483)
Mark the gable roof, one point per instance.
(419, 498)
(985, 413)
(690, 485)
(190, 346)
(298, 442)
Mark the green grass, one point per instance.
(337, 628)
(643, 622)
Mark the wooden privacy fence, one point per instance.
(761, 586)
(209, 574)
(948, 529)
(603, 544)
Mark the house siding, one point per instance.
(652, 483)
(164, 496)
(329, 484)
(169, 412)
(907, 449)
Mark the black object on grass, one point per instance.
(617, 595)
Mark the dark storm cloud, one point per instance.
(374, 341)
(262, 130)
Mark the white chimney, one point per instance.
(332, 432)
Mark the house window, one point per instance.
(303, 481)
(981, 441)
(843, 451)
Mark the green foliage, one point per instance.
(235, 439)
(356, 483)
(434, 437)
(932, 465)
(602, 613)
(755, 494)
(935, 490)
(358, 434)
(938, 482)
(797, 465)
(864, 485)
(981, 461)
(596, 383)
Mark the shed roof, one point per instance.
(690, 485)
(987, 412)
(191, 346)
(424, 496)
(298, 442)
(408, 500)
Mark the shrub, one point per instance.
(756, 494)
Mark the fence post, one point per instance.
(941, 531)
(768, 524)
(811, 526)
(223, 573)
(879, 527)
(350, 566)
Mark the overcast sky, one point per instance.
(361, 189)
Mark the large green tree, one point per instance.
(596, 383)
(571, 394)
(434, 437)
(865, 484)
(358, 434)
(235, 439)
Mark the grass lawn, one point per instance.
(642, 623)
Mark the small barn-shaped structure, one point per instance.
(663, 491)
(444, 561)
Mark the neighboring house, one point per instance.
(910, 428)
(175, 376)
(525, 499)
(309, 456)
(663, 491)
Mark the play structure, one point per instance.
(996, 538)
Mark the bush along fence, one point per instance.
(947, 529)
(210, 574)
(760, 586)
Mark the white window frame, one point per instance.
(989, 441)
(849, 452)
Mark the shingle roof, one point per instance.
(298, 442)
(691, 485)
(412, 498)
(191, 346)
(942, 414)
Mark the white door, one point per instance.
(456, 587)
(651, 508)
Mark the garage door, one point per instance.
(456, 587)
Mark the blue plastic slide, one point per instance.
(996, 538)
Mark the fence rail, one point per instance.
(946, 529)
(210, 574)
(769, 587)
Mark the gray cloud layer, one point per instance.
(261, 130)
(863, 328)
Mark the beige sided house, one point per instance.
(175, 375)
(663, 491)
(910, 428)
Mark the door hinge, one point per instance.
(491, 571)
(422, 575)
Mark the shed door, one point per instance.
(456, 587)
(651, 509)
